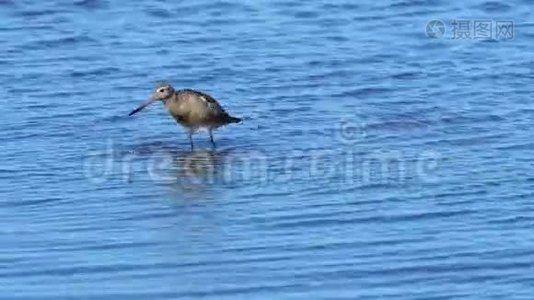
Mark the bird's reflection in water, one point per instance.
(198, 171)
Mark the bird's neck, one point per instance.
(170, 99)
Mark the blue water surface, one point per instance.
(379, 158)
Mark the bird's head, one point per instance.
(162, 92)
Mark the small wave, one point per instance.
(494, 6)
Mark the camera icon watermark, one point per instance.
(435, 29)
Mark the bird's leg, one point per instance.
(190, 135)
(211, 138)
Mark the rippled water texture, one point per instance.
(373, 162)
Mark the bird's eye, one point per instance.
(161, 90)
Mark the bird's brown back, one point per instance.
(192, 108)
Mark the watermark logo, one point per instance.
(482, 29)
(344, 165)
(351, 131)
(435, 29)
(504, 29)
(471, 29)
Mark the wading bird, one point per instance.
(191, 109)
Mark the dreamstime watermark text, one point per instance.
(344, 166)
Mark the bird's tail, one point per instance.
(233, 119)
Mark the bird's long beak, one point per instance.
(142, 106)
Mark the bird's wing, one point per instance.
(212, 104)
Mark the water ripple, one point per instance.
(372, 162)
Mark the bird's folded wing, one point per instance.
(212, 105)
